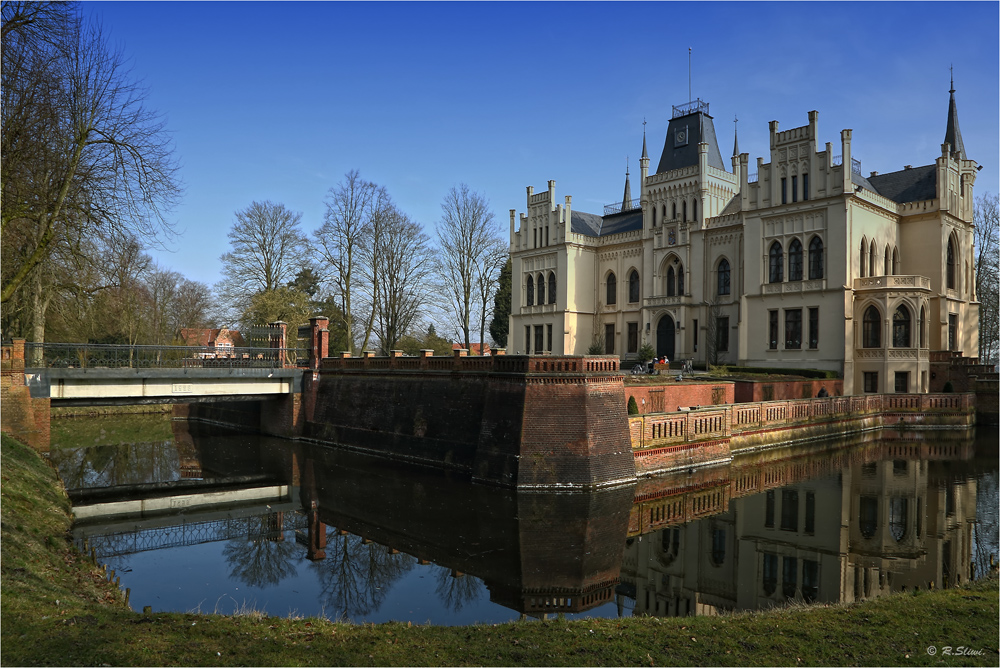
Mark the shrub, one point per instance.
(633, 408)
(646, 352)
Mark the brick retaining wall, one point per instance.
(666, 441)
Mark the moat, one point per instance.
(195, 518)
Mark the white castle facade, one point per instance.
(804, 263)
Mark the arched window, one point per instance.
(922, 325)
(815, 259)
(950, 268)
(694, 210)
(671, 282)
(633, 287)
(776, 262)
(872, 256)
(868, 515)
(871, 328)
(531, 290)
(901, 327)
(680, 280)
(897, 517)
(552, 287)
(795, 260)
(887, 264)
(718, 547)
(684, 211)
(541, 289)
(895, 261)
(863, 260)
(675, 211)
(723, 288)
(612, 289)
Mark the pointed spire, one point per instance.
(627, 198)
(736, 137)
(953, 135)
(645, 156)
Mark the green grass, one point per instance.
(57, 608)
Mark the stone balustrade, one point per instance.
(657, 430)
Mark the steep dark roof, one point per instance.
(859, 180)
(953, 135)
(676, 155)
(585, 223)
(909, 185)
(622, 222)
(592, 225)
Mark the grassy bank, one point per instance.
(56, 608)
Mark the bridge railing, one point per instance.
(109, 356)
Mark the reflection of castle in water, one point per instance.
(847, 526)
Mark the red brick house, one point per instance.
(477, 348)
(222, 339)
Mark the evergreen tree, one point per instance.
(500, 324)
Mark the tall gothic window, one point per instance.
(552, 287)
(951, 264)
(795, 260)
(871, 328)
(531, 290)
(872, 256)
(815, 259)
(901, 327)
(895, 261)
(776, 261)
(541, 289)
(633, 287)
(887, 264)
(863, 259)
(680, 280)
(922, 328)
(612, 289)
(723, 287)
(671, 282)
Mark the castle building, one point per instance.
(801, 263)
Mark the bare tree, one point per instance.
(381, 216)
(267, 250)
(466, 234)
(987, 229)
(341, 237)
(81, 153)
(404, 263)
(494, 257)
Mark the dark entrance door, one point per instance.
(665, 337)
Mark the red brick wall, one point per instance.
(758, 390)
(669, 397)
(21, 417)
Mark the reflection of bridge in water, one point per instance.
(541, 553)
(258, 522)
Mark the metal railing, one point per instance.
(107, 356)
(855, 163)
(690, 108)
(611, 209)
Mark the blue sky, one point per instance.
(278, 100)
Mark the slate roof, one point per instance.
(592, 225)
(588, 224)
(952, 134)
(909, 185)
(701, 129)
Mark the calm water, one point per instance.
(194, 518)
